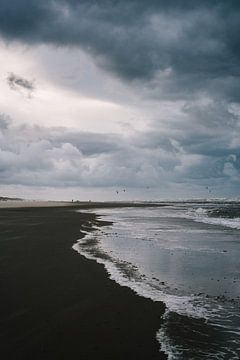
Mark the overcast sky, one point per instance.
(98, 97)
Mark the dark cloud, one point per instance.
(19, 83)
(209, 129)
(166, 50)
(90, 144)
(192, 44)
(51, 156)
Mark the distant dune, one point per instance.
(6, 202)
(5, 198)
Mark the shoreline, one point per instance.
(19, 204)
(56, 304)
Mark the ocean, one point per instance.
(185, 254)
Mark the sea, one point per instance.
(185, 254)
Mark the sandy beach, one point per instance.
(55, 304)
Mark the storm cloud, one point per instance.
(186, 54)
(139, 40)
(18, 83)
(64, 157)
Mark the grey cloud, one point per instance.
(5, 121)
(41, 156)
(208, 130)
(19, 83)
(165, 50)
(138, 40)
(89, 144)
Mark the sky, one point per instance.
(119, 100)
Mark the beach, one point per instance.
(55, 303)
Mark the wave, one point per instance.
(181, 310)
(224, 216)
(125, 275)
(231, 223)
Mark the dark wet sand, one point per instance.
(55, 304)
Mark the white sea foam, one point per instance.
(200, 215)
(231, 223)
(185, 305)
